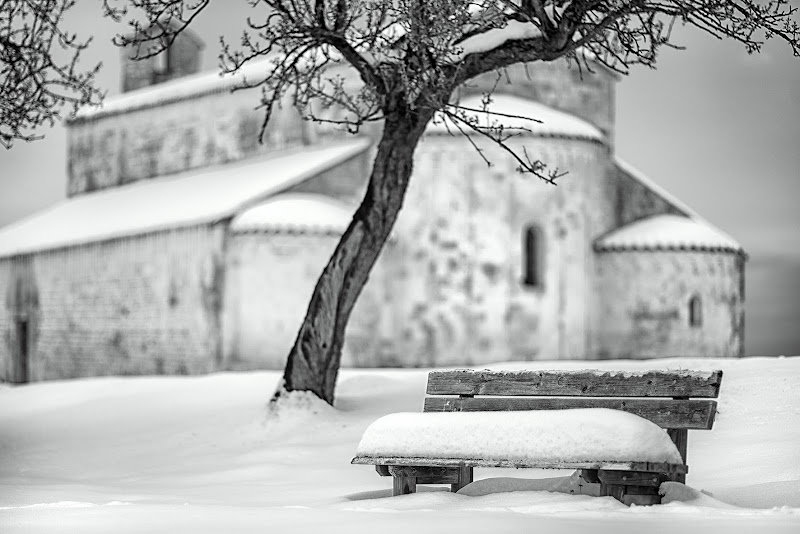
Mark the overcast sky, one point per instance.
(715, 126)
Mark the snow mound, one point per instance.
(573, 485)
(784, 493)
(524, 437)
(675, 492)
(293, 404)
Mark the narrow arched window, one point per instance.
(532, 256)
(695, 311)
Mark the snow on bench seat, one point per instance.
(579, 438)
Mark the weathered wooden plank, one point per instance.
(499, 462)
(616, 491)
(628, 478)
(666, 413)
(589, 383)
(447, 475)
(464, 478)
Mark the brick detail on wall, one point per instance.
(194, 133)
(644, 304)
(457, 282)
(138, 305)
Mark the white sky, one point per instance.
(714, 125)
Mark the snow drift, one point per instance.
(205, 454)
(523, 437)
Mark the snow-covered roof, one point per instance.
(190, 198)
(546, 121)
(294, 211)
(667, 232)
(175, 90)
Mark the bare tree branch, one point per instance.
(40, 71)
(410, 57)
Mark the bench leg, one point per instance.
(612, 490)
(631, 487)
(403, 485)
(590, 476)
(680, 437)
(464, 478)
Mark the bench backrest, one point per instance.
(663, 397)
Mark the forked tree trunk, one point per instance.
(313, 362)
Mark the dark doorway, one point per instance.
(22, 352)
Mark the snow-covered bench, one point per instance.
(611, 429)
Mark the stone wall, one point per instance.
(213, 129)
(138, 143)
(271, 276)
(633, 200)
(142, 305)
(643, 305)
(457, 286)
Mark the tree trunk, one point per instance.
(313, 362)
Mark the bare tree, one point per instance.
(410, 56)
(39, 68)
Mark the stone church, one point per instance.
(186, 246)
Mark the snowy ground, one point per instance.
(203, 454)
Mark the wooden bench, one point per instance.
(663, 397)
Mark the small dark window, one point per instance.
(695, 311)
(532, 257)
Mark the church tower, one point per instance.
(181, 58)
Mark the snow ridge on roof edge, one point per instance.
(308, 213)
(666, 248)
(184, 88)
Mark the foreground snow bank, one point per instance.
(206, 454)
(525, 437)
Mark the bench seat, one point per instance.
(627, 431)
(608, 465)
